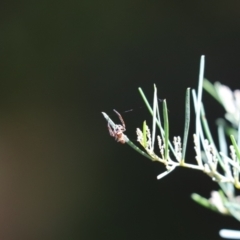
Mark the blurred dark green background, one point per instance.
(61, 64)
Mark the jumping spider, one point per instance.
(118, 130)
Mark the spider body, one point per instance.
(117, 131)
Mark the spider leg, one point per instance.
(121, 119)
(111, 132)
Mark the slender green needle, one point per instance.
(209, 135)
(154, 116)
(236, 148)
(145, 100)
(160, 124)
(109, 120)
(199, 95)
(187, 123)
(131, 144)
(166, 128)
(203, 201)
(228, 188)
(222, 196)
(221, 136)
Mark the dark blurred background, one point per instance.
(63, 62)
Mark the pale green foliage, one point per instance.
(221, 163)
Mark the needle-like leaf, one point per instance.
(236, 148)
(199, 96)
(203, 201)
(166, 128)
(187, 123)
(154, 116)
